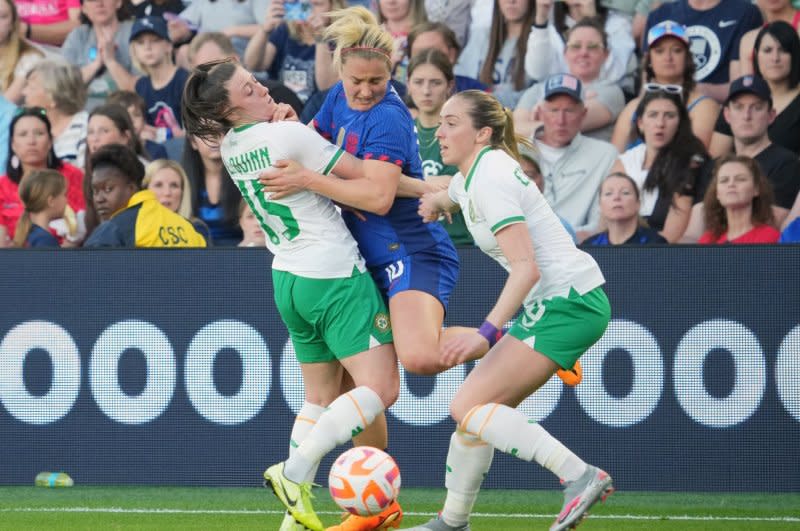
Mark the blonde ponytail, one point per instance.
(356, 32)
(23, 229)
(485, 111)
(510, 138)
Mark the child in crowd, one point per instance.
(145, 132)
(44, 194)
(252, 235)
(161, 87)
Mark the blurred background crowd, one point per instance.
(680, 122)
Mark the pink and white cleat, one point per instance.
(579, 496)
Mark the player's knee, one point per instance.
(470, 416)
(389, 390)
(459, 407)
(321, 396)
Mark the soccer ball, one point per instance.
(364, 481)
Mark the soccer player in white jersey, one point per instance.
(565, 313)
(336, 317)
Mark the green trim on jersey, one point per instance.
(244, 127)
(333, 161)
(331, 319)
(472, 168)
(506, 222)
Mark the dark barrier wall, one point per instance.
(136, 367)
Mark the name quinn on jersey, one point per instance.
(251, 161)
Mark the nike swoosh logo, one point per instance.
(290, 501)
(726, 23)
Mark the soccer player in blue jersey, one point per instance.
(413, 263)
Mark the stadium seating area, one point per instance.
(674, 98)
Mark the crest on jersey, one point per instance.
(381, 322)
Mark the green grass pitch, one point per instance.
(145, 508)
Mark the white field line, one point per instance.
(121, 510)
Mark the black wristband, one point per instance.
(540, 26)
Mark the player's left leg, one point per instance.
(512, 370)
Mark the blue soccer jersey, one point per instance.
(385, 132)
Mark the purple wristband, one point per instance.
(490, 332)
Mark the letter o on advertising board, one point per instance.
(648, 376)
(748, 389)
(256, 372)
(787, 380)
(66, 380)
(291, 378)
(104, 380)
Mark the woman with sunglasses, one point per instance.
(30, 149)
(668, 61)
(665, 163)
(775, 59)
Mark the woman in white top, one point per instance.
(666, 162)
(336, 317)
(565, 312)
(496, 56)
(545, 55)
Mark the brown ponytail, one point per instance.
(35, 190)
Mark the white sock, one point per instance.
(468, 462)
(511, 432)
(351, 412)
(304, 422)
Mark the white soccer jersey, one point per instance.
(496, 193)
(305, 231)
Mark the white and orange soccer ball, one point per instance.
(364, 481)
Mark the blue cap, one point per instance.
(667, 28)
(750, 85)
(563, 84)
(155, 25)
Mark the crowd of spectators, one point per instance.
(642, 121)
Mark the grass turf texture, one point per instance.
(497, 510)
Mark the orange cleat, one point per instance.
(389, 518)
(573, 376)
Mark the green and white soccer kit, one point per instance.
(317, 265)
(566, 311)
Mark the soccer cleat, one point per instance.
(389, 518)
(573, 376)
(296, 497)
(437, 524)
(290, 524)
(579, 496)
